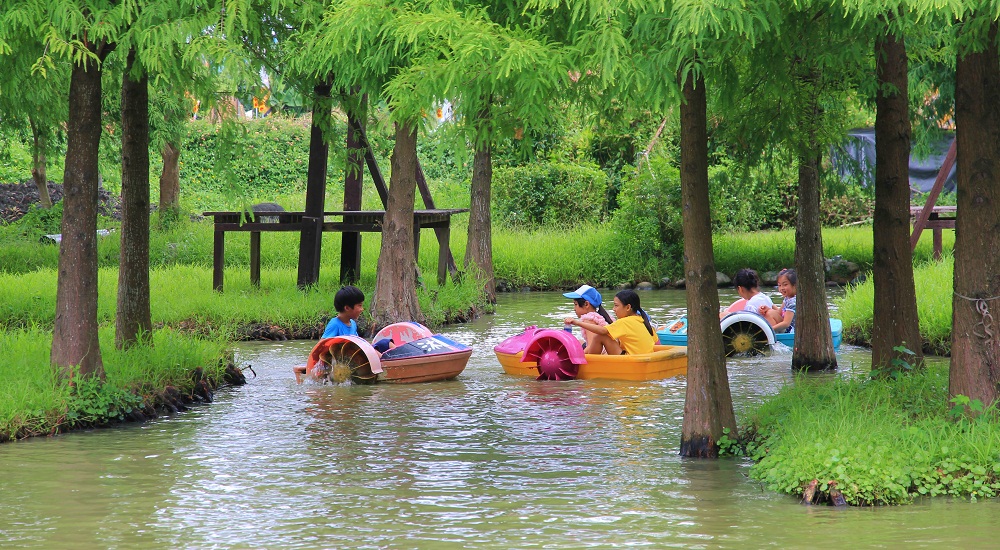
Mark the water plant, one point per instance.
(882, 441)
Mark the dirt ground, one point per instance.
(17, 198)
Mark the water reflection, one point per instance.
(484, 461)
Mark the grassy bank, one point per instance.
(879, 441)
(139, 381)
(772, 250)
(933, 282)
(28, 300)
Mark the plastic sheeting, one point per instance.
(855, 160)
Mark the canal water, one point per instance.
(484, 461)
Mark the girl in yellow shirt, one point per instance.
(630, 334)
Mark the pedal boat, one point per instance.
(743, 332)
(549, 354)
(416, 355)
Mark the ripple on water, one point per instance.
(487, 460)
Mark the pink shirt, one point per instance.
(594, 317)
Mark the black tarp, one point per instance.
(854, 160)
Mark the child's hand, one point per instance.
(764, 310)
(569, 320)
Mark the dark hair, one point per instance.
(582, 302)
(349, 296)
(789, 274)
(629, 298)
(746, 278)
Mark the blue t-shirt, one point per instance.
(336, 327)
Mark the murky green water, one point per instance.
(484, 461)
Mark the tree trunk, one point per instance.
(74, 335)
(975, 337)
(38, 164)
(395, 297)
(708, 404)
(895, 317)
(813, 339)
(170, 181)
(132, 319)
(479, 250)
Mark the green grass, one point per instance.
(773, 250)
(933, 281)
(561, 258)
(883, 441)
(34, 401)
(182, 296)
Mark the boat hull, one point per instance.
(668, 338)
(427, 368)
(664, 362)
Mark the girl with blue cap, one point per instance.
(587, 306)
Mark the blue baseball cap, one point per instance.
(588, 293)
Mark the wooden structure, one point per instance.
(340, 221)
(930, 216)
(350, 222)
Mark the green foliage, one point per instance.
(730, 446)
(549, 193)
(15, 159)
(933, 281)
(883, 441)
(649, 209)
(92, 402)
(40, 221)
(249, 161)
(548, 258)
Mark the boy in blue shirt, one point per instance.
(349, 303)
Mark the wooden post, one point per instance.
(255, 258)
(218, 259)
(350, 242)
(443, 234)
(445, 261)
(416, 242)
(311, 241)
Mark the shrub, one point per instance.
(549, 193)
(649, 210)
(253, 160)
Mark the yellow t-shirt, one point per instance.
(631, 333)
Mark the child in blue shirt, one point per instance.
(349, 303)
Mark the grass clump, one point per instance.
(881, 441)
(34, 401)
(773, 250)
(933, 281)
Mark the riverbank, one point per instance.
(171, 373)
(874, 441)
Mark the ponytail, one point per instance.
(604, 313)
(630, 298)
(645, 321)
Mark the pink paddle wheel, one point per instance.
(558, 354)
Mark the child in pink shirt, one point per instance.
(587, 306)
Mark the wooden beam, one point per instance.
(373, 169)
(925, 213)
(443, 234)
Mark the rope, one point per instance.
(982, 329)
